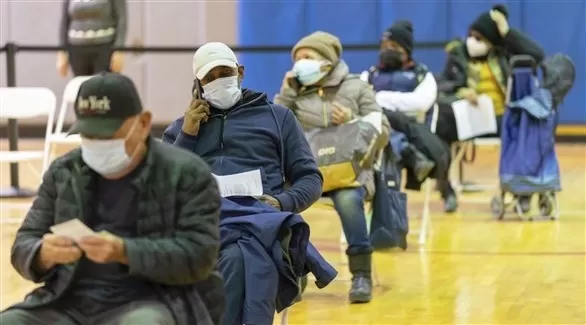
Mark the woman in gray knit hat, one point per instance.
(90, 30)
(322, 93)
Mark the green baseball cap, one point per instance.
(103, 103)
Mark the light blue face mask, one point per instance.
(107, 157)
(309, 72)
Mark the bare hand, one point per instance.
(198, 111)
(104, 248)
(289, 75)
(470, 95)
(340, 114)
(57, 250)
(62, 64)
(270, 201)
(117, 62)
(501, 22)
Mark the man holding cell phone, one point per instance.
(124, 230)
(238, 131)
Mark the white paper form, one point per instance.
(474, 121)
(73, 229)
(241, 184)
(376, 119)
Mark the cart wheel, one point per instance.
(546, 205)
(497, 207)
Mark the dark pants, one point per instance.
(86, 60)
(231, 265)
(139, 312)
(349, 204)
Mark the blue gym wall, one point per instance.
(559, 26)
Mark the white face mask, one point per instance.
(476, 48)
(309, 72)
(107, 157)
(223, 93)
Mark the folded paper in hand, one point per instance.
(73, 229)
(474, 121)
(241, 184)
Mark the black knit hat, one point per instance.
(487, 27)
(401, 33)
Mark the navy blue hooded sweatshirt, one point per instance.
(257, 134)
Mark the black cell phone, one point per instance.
(197, 90)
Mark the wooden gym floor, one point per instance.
(472, 270)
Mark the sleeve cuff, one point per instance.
(33, 274)
(185, 141)
(131, 247)
(286, 201)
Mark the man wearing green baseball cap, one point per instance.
(124, 230)
(104, 103)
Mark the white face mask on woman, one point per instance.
(223, 93)
(309, 72)
(107, 157)
(476, 48)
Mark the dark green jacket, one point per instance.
(455, 73)
(177, 238)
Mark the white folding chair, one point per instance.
(69, 95)
(25, 103)
(458, 152)
(425, 215)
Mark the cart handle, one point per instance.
(523, 61)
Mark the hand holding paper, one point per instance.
(469, 94)
(56, 250)
(100, 247)
(104, 248)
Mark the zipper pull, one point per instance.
(324, 109)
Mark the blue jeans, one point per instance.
(349, 203)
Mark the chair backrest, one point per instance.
(26, 102)
(69, 96)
